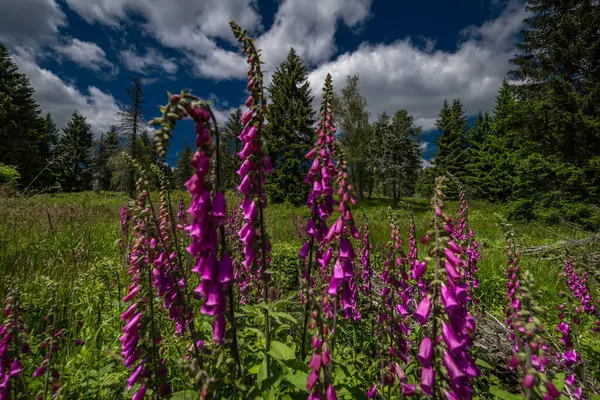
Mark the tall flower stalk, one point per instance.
(449, 299)
(255, 165)
(320, 198)
(140, 338)
(209, 214)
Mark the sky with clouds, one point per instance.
(80, 54)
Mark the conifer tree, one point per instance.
(354, 131)
(289, 132)
(21, 125)
(74, 155)
(452, 155)
(105, 148)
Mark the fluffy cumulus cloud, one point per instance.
(188, 25)
(309, 27)
(402, 75)
(86, 54)
(62, 99)
(151, 60)
(29, 22)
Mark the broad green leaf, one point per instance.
(262, 371)
(281, 351)
(501, 394)
(483, 364)
(298, 379)
(559, 381)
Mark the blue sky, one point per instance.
(80, 54)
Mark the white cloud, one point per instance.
(401, 75)
(29, 23)
(151, 60)
(86, 54)
(309, 26)
(62, 99)
(187, 25)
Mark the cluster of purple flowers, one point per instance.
(11, 345)
(255, 165)
(581, 292)
(450, 302)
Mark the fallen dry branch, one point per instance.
(559, 245)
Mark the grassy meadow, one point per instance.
(62, 251)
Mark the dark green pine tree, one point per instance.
(452, 156)
(558, 109)
(231, 146)
(48, 141)
(184, 169)
(289, 132)
(74, 155)
(21, 125)
(105, 148)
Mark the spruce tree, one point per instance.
(452, 156)
(399, 153)
(74, 159)
(21, 125)
(105, 148)
(289, 132)
(184, 169)
(354, 131)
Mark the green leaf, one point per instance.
(559, 381)
(501, 394)
(281, 351)
(184, 395)
(483, 364)
(297, 379)
(262, 371)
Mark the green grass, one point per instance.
(41, 237)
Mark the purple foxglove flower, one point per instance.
(15, 368)
(422, 312)
(249, 101)
(454, 345)
(304, 251)
(312, 380)
(247, 116)
(372, 392)
(127, 314)
(529, 381)
(427, 377)
(40, 370)
(578, 392)
(419, 270)
(330, 393)
(454, 371)
(552, 390)
(451, 272)
(448, 299)
(219, 209)
(315, 362)
(135, 376)
(140, 394)
(225, 269)
(455, 248)
(452, 258)
(409, 389)
(425, 351)
(326, 356)
(219, 328)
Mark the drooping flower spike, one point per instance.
(207, 207)
(12, 345)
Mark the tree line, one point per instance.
(537, 150)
